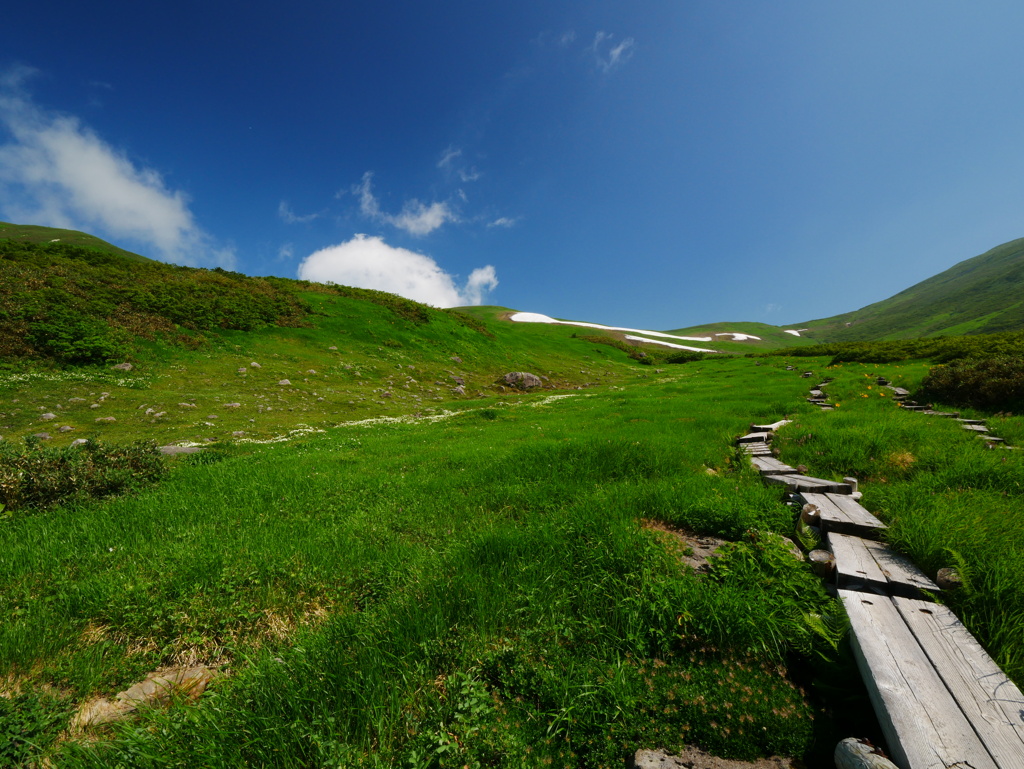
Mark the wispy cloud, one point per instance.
(286, 252)
(416, 218)
(567, 38)
(503, 221)
(450, 162)
(610, 56)
(369, 262)
(57, 172)
(285, 212)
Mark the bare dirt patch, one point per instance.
(694, 550)
(695, 758)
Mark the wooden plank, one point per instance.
(855, 565)
(975, 428)
(842, 514)
(970, 421)
(756, 449)
(900, 391)
(903, 576)
(994, 706)
(817, 394)
(923, 725)
(771, 466)
(754, 438)
(770, 428)
(804, 483)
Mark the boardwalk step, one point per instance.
(768, 465)
(805, 483)
(844, 515)
(867, 563)
(922, 722)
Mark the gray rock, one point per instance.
(232, 405)
(78, 442)
(255, 365)
(171, 450)
(458, 380)
(456, 359)
(65, 429)
(42, 436)
(460, 390)
(47, 416)
(122, 367)
(332, 347)
(522, 380)
(158, 689)
(106, 420)
(284, 382)
(238, 433)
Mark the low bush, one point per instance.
(37, 476)
(995, 384)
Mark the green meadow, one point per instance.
(498, 585)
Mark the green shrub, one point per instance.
(37, 476)
(995, 384)
(685, 356)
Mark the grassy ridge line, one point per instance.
(977, 295)
(31, 233)
(477, 590)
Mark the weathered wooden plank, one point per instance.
(771, 466)
(855, 565)
(970, 421)
(975, 428)
(817, 394)
(950, 414)
(922, 723)
(993, 704)
(903, 576)
(844, 515)
(805, 483)
(756, 449)
(754, 438)
(770, 428)
(900, 391)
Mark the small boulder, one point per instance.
(65, 429)
(284, 382)
(460, 390)
(78, 442)
(47, 416)
(254, 365)
(122, 367)
(332, 347)
(522, 380)
(232, 405)
(42, 436)
(456, 359)
(458, 380)
(106, 420)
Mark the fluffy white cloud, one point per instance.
(55, 171)
(503, 221)
(416, 218)
(610, 58)
(369, 262)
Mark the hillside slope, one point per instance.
(984, 294)
(32, 233)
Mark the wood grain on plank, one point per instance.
(841, 513)
(923, 725)
(804, 483)
(992, 702)
(899, 569)
(771, 466)
(854, 562)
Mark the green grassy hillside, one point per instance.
(31, 233)
(980, 295)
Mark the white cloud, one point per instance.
(567, 38)
(285, 212)
(55, 171)
(503, 221)
(369, 262)
(416, 218)
(611, 58)
(448, 163)
(286, 252)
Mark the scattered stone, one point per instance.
(948, 578)
(156, 690)
(456, 359)
(170, 450)
(522, 380)
(187, 405)
(460, 390)
(76, 400)
(243, 370)
(78, 442)
(695, 758)
(159, 414)
(311, 371)
(255, 365)
(47, 416)
(238, 433)
(458, 380)
(284, 382)
(211, 416)
(332, 347)
(42, 436)
(94, 405)
(122, 367)
(65, 429)
(386, 394)
(106, 420)
(232, 405)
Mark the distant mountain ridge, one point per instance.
(981, 295)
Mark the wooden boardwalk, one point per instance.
(940, 699)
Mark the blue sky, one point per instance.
(656, 164)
